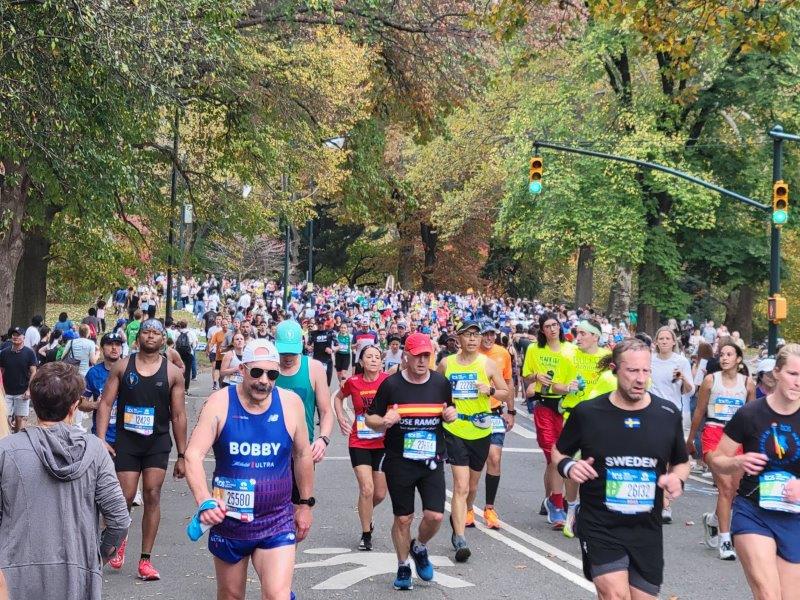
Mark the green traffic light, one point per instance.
(535, 187)
(779, 217)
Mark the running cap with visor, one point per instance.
(488, 327)
(259, 350)
(418, 343)
(467, 325)
(111, 338)
(766, 365)
(289, 337)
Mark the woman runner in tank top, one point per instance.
(229, 369)
(721, 395)
(365, 445)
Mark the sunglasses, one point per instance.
(258, 372)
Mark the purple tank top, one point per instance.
(253, 472)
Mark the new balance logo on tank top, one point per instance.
(253, 471)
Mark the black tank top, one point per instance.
(143, 406)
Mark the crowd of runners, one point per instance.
(415, 381)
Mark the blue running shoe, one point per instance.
(555, 516)
(403, 579)
(421, 562)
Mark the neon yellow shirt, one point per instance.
(541, 360)
(464, 380)
(605, 384)
(583, 365)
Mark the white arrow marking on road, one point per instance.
(369, 565)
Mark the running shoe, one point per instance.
(726, 551)
(543, 509)
(666, 516)
(421, 562)
(366, 543)
(460, 545)
(491, 518)
(470, 520)
(403, 580)
(555, 516)
(710, 530)
(147, 571)
(119, 557)
(137, 499)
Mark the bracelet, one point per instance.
(181, 455)
(564, 465)
(325, 439)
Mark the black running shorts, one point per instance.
(644, 561)
(367, 456)
(467, 453)
(404, 477)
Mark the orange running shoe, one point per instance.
(147, 571)
(491, 518)
(470, 521)
(119, 557)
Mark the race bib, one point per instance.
(724, 408)
(365, 433)
(140, 419)
(239, 496)
(498, 425)
(419, 445)
(235, 379)
(771, 486)
(630, 491)
(465, 385)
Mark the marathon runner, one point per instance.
(500, 423)
(305, 377)
(394, 355)
(343, 352)
(474, 380)
(410, 407)
(766, 511)
(721, 395)
(366, 445)
(546, 371)
(258, 433)
(584, 375)
(323, 342)
(150, 395)
(633, 454)
(96, 377)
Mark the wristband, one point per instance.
(325, 439)
(564, 465)
(181, 455)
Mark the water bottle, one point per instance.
(195, 529)
(581, 383)
(548, 390)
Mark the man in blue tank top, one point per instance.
(259, 436)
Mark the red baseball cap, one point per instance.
(418, 343)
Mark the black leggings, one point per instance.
(187, 368)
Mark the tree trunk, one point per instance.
(649, 319)
(619, 300)
(430, 237)
(30, 288)
(13, 204)
(405, 254)
(294, 255)
(584, 292)
(739, 312)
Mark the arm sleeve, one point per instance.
(112, 505)
(381, 400)
(736, 429)
(569, 441)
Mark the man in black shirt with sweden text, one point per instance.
(626, 450)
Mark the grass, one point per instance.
(76, 312)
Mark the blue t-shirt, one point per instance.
(96, 378)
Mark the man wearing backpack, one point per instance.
(185, 344)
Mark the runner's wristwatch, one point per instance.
(310, 501)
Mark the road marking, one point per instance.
(370, 564)
(701, 479)
(526, 433)
(523, 450)
(538, 558)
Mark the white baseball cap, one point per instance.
(259, 350)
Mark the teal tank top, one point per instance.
(300, 384)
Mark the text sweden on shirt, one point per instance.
(631, 461)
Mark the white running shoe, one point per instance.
(137, 499)
(666, 516)
(710, 530)
(726, 551)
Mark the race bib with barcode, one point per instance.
(365, 433)
(771, 487)
(725, 408)
(139, 419)
(419, 445)
(465, 385)
(630, 491)
(239, 496)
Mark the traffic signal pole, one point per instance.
(778, 136)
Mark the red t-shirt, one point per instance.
(362, 393)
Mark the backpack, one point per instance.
(92, 331)
(182, 344)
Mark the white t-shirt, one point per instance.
(82, 349)
(32, 337)
(661, 377)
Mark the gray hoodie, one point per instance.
(54, 483)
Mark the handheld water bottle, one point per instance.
(548, 391)
(581, 383)
(195, 529)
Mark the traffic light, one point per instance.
(780, 202)
(535, 175)
(776, 308)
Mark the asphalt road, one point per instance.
(525, 559)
